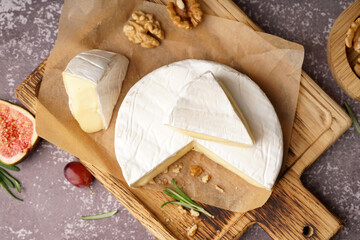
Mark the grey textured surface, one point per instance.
(52, 206)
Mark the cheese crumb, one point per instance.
(194, 213)
(192, 231)
(177, 168)
(219, 188)
(205, 178)
(182, 210)
(166, 170)
(164, 182)
(195, 170)
(152, 181)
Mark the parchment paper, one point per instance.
(273, 63)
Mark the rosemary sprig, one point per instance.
(99, 216)
(5, 186)
(182, 199)
(10, 167)
(353, 118)
(8, 175)
(8, 181)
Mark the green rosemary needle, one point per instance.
(8, 181)
(11, 178)
(10, 167)
(5, 186)
(353, 118)
(99, 216)
(182, 199)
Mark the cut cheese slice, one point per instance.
(203, 110)
(144, 146)
(93, 81)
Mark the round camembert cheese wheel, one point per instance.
(145, 147)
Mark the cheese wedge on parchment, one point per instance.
(93, 81)
(204, 110)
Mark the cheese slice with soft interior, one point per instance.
(204, 110)
(145, 147)
(93, 81)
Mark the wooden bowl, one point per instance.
(341, 59)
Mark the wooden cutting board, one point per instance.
(292, 212)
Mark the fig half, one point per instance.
(17, 133)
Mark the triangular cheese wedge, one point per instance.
(206, 110)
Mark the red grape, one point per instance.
(77, 174)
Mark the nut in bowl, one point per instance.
(352, 42)
(343, 50)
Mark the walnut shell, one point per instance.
(138, 30)
(185, 14)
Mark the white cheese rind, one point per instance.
(103, 70)
(204, 110)
(143, 142)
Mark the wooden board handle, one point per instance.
(131, 203)
(28, 90)
(308, 218)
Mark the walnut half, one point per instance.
(138, 30)
(185, 14)
(357, 67)
(352, 37)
